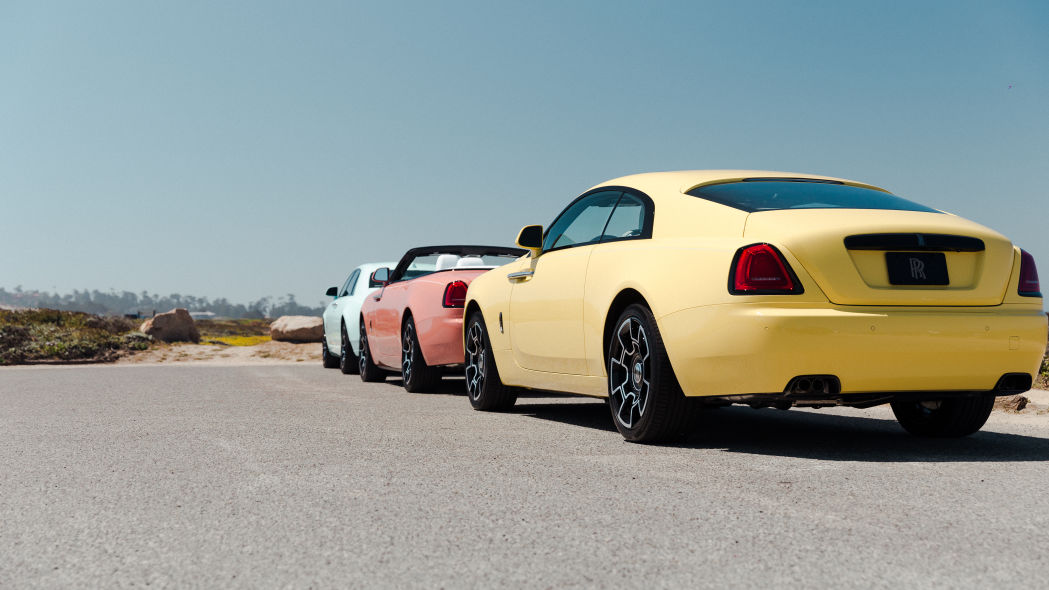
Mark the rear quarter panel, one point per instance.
(671, 275)
(439, 328)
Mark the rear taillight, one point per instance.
(759, 269)
(1029, 285)
(455, 294)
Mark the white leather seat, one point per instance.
(469, 262)
(446, 261)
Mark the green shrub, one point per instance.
(45, 334)
(13, 339)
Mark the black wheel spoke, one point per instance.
(475, 353)
(407, 351)
(629, 372)
(362, 358)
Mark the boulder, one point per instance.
(1012, 403)
(172, 326)
(297, 328)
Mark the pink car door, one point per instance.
(384, 335)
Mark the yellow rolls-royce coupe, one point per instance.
(667, 291)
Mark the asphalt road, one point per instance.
(296, 476)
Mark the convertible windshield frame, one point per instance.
(755, 195)
(401, 270)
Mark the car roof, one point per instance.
(682, 181)
(367, 266)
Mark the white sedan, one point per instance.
(340, 345)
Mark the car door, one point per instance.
(333, 313)
(384, 331)
(546, 306)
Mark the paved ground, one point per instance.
(298, 476)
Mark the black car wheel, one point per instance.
(329, 360)
(370, 373)
(948, 418)
(643, 393)
(417, 375)
(483, 386)
(348, 362)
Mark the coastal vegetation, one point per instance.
(46, 335)
(144, 304)
(234, 332)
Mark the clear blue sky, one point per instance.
(243, 149)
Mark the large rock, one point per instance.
(297, 328)
(1012, 403)
(173, 326)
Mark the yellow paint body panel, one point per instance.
(849, 321)
(550, 303)
(759, 347)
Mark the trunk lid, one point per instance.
(864, 257)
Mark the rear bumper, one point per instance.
(441, 337)
(757, 348)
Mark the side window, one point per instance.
(351, 282)
(628, 220)
(583, 222)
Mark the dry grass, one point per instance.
(237, 340)
(220, 329)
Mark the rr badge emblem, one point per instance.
(917, 269)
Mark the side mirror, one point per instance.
(332, 292)
(379, 278)
(531, 237)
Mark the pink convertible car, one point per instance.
(414, 323)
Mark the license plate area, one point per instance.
(917, 268)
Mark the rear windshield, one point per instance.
(756, 194)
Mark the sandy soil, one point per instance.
(1037, 403)
(267, 353)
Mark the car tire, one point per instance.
(417, 375)
(329, 360)
(644, 396)
(348, 362)
(483, 385)
(370, 373)
(949, 418)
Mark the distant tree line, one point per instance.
(126, 302)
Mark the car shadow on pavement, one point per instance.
(811, 435)
(456, 385)
(447, 385)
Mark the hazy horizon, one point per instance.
(255, 149)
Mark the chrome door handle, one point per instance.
(517, 276)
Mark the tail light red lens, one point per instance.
(759, 269)
(1029, 284)
(455, 294)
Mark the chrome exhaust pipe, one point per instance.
(817, 385)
